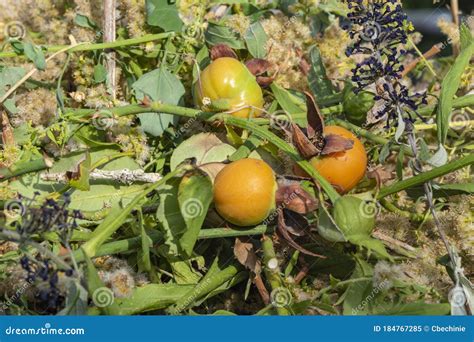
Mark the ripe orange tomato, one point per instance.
(228, 79)
(244, 192)
(342, 169)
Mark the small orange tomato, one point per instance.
(244, 192)
(342, 169)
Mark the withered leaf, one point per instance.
(257, 66)
(292, 196)
(222, 50)
(305, 147)
(283, 229)
(265, 81)
(245, 254)
(335, 143)
(315, 119)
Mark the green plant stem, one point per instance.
(22, 168)
(122, 246)
(371, 136)
(210, 282)
(426, 176)
(99, 46)
(272, 275)
(394, 209)
(112, 223)
(157, 107)
(460, 102)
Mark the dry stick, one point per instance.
(34, 70)
(455, 15)
(123, 176)
(109, 36)
(391, 241)
(262, 290)
(435, 49)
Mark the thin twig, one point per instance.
(435, 49)
(123, 176)
(34, 70)
(109, 36)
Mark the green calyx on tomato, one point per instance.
(227, 80)
(356, 106)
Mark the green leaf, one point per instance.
(76, 299)
(35, 54)
(158, 85)
(256, 40)
(100, 73)
(9, 76)
(357, 292)
(170, 220)
(84, 21)
(204, 147)
(465, 36)
(164, 14)
(370, 244)
(99, 293)
(147, 242)
(439, 158)
(184, 273)
(450, 85)
(80, 181)
(194, 197)
(319, 83)
(149, 297)
(217, 34)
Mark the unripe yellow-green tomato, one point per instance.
(228, 79)
(244, 192)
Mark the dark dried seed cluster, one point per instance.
(51, 216)
(378, 30)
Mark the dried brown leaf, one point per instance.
(245, 254)
(305, 147)
(335, 143)
(222, 50)
(257, 66)
(283, 229)
(292, 196)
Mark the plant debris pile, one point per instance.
(260, 158)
